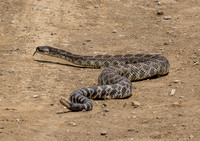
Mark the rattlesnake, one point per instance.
(115, 79)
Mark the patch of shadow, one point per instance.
(65, 112)
(69, 65)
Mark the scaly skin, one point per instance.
(115, 80)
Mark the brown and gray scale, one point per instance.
(115, 79)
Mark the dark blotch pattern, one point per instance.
(115, 80)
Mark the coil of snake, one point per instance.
(115, 79)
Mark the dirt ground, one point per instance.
(169, 106)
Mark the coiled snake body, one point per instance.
(115, 79)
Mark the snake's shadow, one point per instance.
(64, 112)
(63, 64)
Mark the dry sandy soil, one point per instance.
(30, 90)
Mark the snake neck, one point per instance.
(81, 60)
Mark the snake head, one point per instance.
(43, 50)
(50, 51)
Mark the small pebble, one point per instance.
(177, 81)
(191, 136)
(88, 40)
(103, 133)
(176, 104)
(98, 122)
(35, 96)
(160, 12)
(167, 17)
(173, 92)
(169, 32)
(88, 28)
(134, 117)
(84, 110)
(96, 6)
(114, 31)
(72, 123)
(195, 62)
(106, 110)
(17, 49)
(103, 105)
(166, 43)
(158, 3)
(180, 114)
(1, 74)
(133, 130)
(135, 104)
(121, 35)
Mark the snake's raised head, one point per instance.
(44, 50)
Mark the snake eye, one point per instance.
(38, 49)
